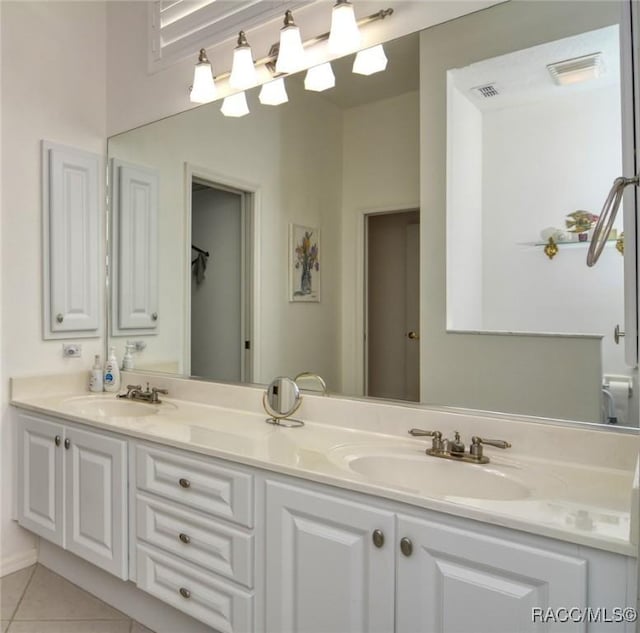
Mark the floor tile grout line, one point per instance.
(24, 591)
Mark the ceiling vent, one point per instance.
(577, 70)
(486, 91)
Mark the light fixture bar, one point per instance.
(270, 59)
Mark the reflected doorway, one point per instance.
(392, 305)
(220, 346)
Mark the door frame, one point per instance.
(250, 258)
(361, 313)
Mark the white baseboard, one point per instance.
(121, 595)
(18, 561)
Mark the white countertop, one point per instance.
(584, 504)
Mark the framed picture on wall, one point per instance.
(304, 263)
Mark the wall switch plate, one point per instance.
(71, 350)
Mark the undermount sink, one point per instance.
(413, 470)
(109, 407)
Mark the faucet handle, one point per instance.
(422, 433)
(134, 387)
(477, 441)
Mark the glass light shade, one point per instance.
(345, 34)
(320, 78)
(235, 105)
(204, 87)
(291, 52)
(273, 93)
(243, 72)
(370, 61)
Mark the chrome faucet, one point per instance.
(455, 449)
(134, 392)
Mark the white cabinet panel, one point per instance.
(40, 494)
(199, 483)
(134, 255)
(96, 503)
(72, 242)
(222, 606)
(457, 581)
(323, 571)
(196, 538)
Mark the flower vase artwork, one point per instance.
(304, 263)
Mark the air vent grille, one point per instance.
(487, 91)
(577, 69)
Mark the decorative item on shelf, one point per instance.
(620, 244)
(551, 248)
(304, 264)
(581, 222)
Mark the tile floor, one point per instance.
(35, 600)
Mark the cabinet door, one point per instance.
(72, 242)
(323, 571)
(457, 581)
(40, 488)
(134, 257)
(96, 499)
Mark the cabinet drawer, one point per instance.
(202, 596)
(196, 538)
(204, 485)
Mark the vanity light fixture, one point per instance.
(369, 61)
(320, 78)
(273, 92)
(291, 52)
(344, 36)
(235, 105)
(204, 87)
(243, 71)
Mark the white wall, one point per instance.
(545, 376)
(381, 154)
(464, 211)
(297, 169)
(53, 87)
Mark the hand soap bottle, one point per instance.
(96, 378)
(127, 361)
(112, 372)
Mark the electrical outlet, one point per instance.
(71, 350)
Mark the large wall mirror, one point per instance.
(389, 233)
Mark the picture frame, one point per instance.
(304, 264)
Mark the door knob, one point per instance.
(378, 538)
(406, 546)
(617, 334)
(414, 336)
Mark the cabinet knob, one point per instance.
(59, 317)
(378, 538)
(406, 546)
(57, 440)
(154, 316)
(185, 483)
(185, 593)
(185, 538)
(67, 443)
(617, 334)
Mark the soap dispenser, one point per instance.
(96, 378)
(127, 361)
(112, 372)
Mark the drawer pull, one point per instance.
(185, 538)
(185, 483)
(378, 538)
(185, 593)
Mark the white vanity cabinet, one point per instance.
(72, 490)
(324, 571)
(194, 545)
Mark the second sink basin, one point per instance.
(413, 470)
(109, 407)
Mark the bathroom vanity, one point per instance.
(246, 526)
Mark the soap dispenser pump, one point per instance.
(112, 372)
